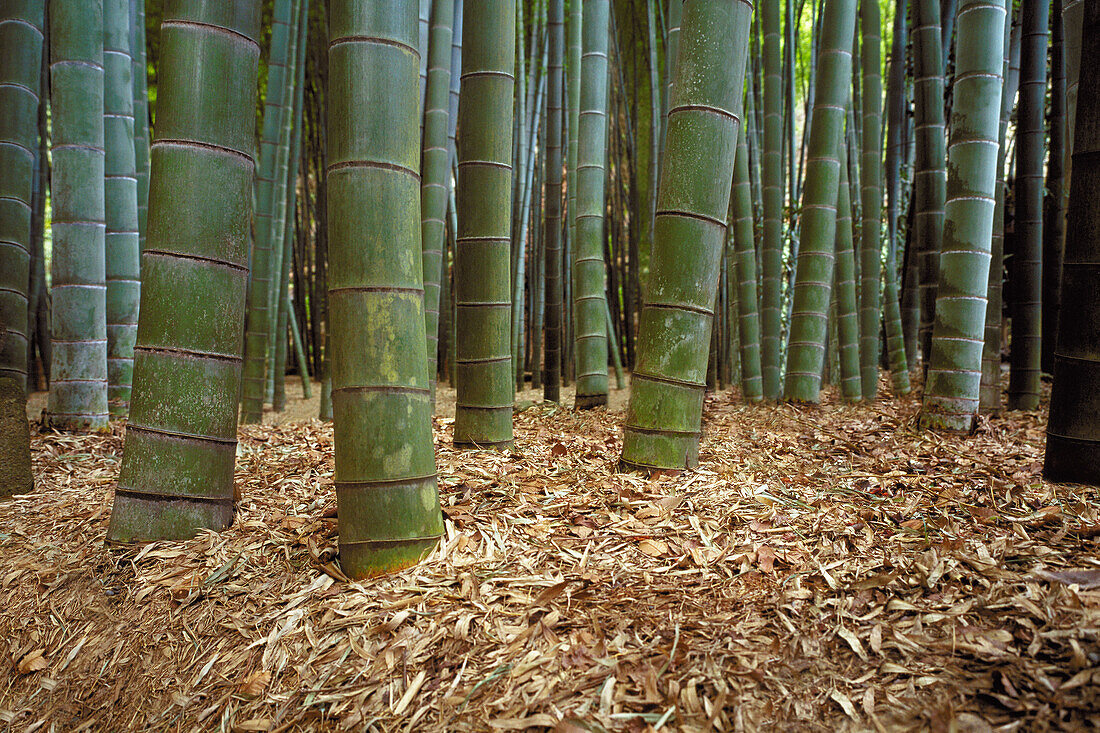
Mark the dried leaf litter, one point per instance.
(829, 568)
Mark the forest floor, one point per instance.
(825, 568)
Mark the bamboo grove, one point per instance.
(200, 200)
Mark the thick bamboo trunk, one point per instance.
(483, 358)
(663, 419)
(181, 438)
(386, 492)
(21, 48)
(951, 391)
(1073, 432)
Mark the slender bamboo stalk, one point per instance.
(122, 245)
(895, 149)
(743, 254)
(772, 185)
(435, 169)
(141, 114)
(553, 196)
(955, 366)
(78, 385)
(181, 438)
(260, 275)
(483, 359)
(930, 180)
(21, 42)
(870, 241)
(990, 390)
(1027, 267)
(847, 310)
(590, 339)
(1054, 222)
(815, 263)
(1073, 432)
(386, 492)
(279, 206)
(662, 423)
(573, 96)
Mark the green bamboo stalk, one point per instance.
(296, 57)
(141, 114)
(123, 248)
(435, 169)
(930, 178)
(990, 392)
(483, 358)
(386, 492)
(553, 196)
(21, 46)
(847, 312)
(573, 92)
(772, 186)
(812, 288)
(181, 438)
(1072, 19)
(1027, 267)
(258, 318)
(951, 391)
(590, 339)
(672, 52)
(662, 423)
(870, 242)
(78, 385)
(1054, 202)
(1073, 431)
(289, 231)
(895, 151)
(613, 347)
(743, 255)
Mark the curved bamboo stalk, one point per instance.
(78, 384)
(955, 365)
(20, 80)
(483, 356)
(386, 492)
(181, 438)
(815, 264)
(662, 423)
